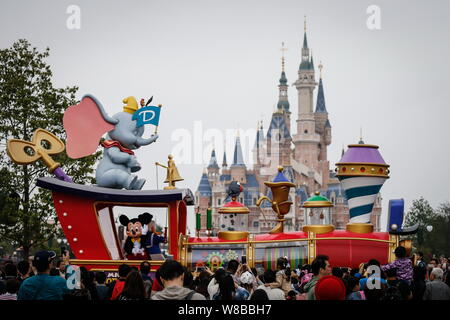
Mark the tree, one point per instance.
(29, 101)
(439, 238)
(420, 213)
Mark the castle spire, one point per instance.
(305, 41)
(283, 103)
(213, 161)
(238, 158)
(224, 161)
(320, 104)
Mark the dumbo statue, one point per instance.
(87, 122)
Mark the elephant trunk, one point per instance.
(144, 142)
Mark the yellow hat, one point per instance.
(131, 106)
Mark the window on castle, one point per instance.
(254, 201)
(255, 224)
(306, 131)
(219, 202)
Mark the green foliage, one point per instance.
(438, 240)
(29, 101)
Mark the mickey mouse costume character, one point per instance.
(137, 235)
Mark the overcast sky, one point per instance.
(218, 62)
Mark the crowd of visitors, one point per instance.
(47, 279)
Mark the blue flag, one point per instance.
(147, 115)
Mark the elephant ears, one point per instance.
(85, 124)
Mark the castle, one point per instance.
(303, 156)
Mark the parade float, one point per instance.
(86, 212)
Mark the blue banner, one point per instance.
(147, 115)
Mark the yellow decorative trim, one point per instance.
(279, 184)
(317, 204)
(319, 229)
(251, 251)
(233, 235)
(114, 262)
(359, 227)
(362, 169)
(311, 247)
(288, 240)
(243, 210)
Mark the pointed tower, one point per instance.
(224, 161)
(258, 148)
(213, 170)
(238, 168)
(283, 102)
(306, 140)
(323, 125)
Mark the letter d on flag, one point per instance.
(147, 115)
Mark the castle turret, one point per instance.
(238, 168)
(306, 140)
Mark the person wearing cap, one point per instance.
(42, 286)
(330, 288)
(320, 267)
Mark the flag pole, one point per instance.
(156, 128)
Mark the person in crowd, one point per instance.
(229, 290)
(248, 281)
(320, 267)
(42, 286)
(273, 293)
(145, 269)
(134, 288)
(55, 272)
(418, 284)
(257, 277)
(201, 283)
(391, 277)
(23, 270)
(157, 284)
(88, 281)
(117, 286)
(372, 264)
(172, 274)
(10, 271)
(329, 287)
(337, 272)
(375, 293)
(419, 260)
(283, 276)
(354, 291)
(305, 276)
(402, 264)
(213, 286)
(12, 287)
(392, 293)
(295, 285)
(102, 290)
(404, 290)
(188, 281)
(261, 295)
(60, 265)
(436, 289)
(232, 269)
(291, 295)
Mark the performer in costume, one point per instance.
(137, 235)
(154, 239)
